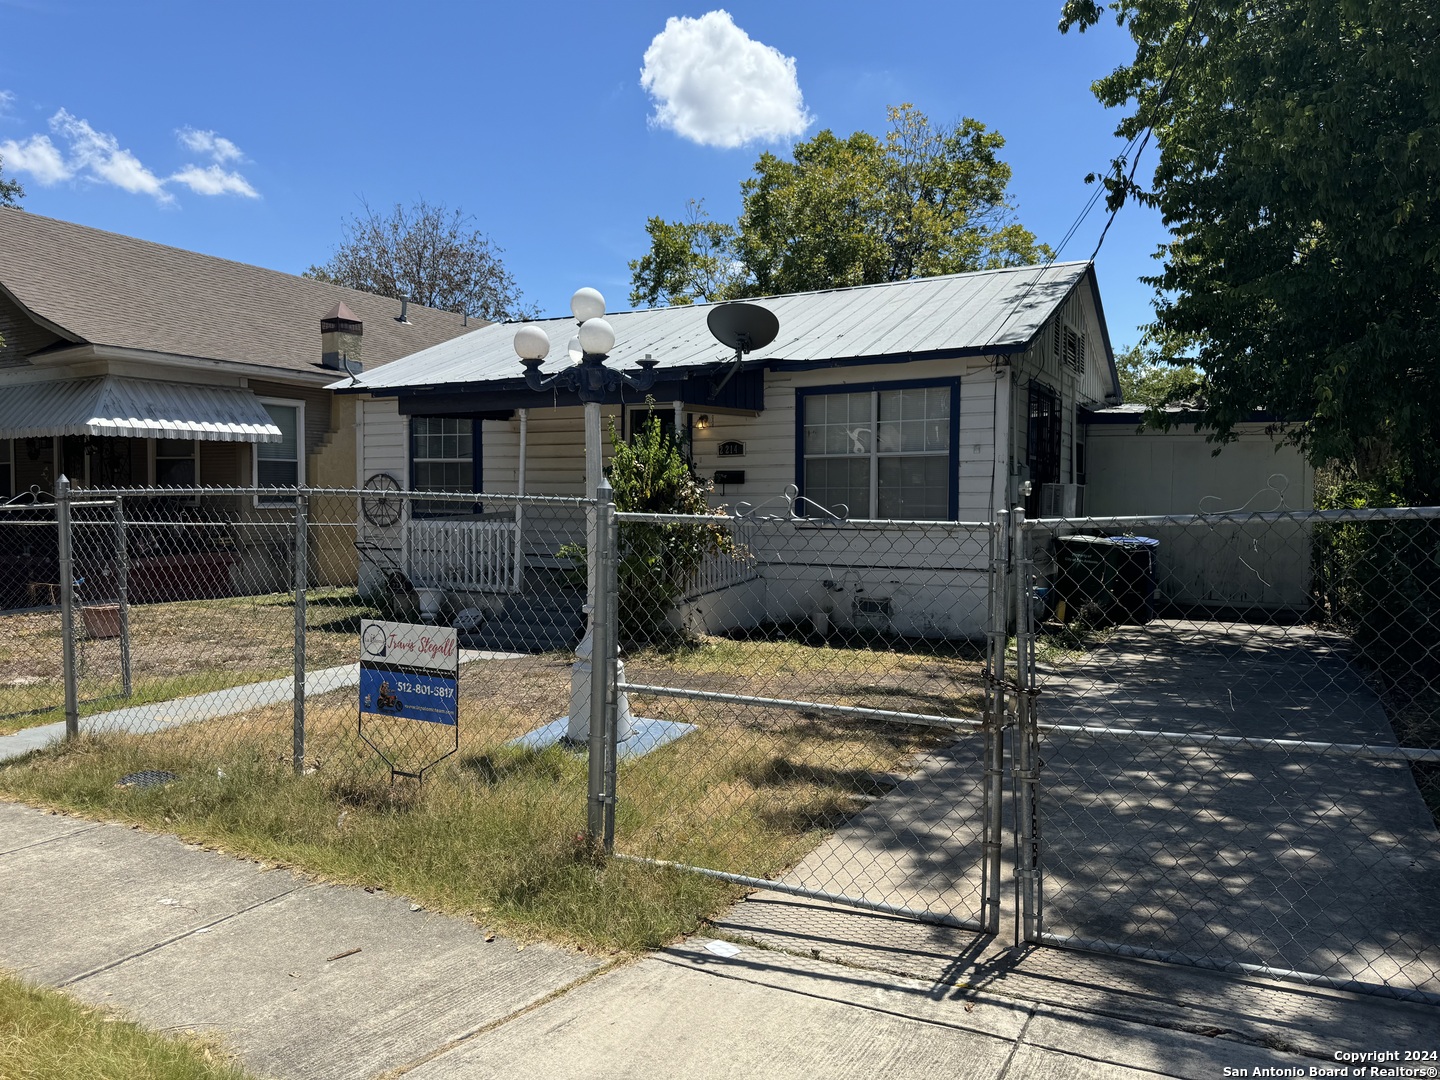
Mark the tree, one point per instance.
(425, 253)
(656, 563)
(924, 200)
(1148, 379)
(1299, 175)
(10, 190)
(10, 195)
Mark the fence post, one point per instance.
(609, 527)
(995, 716)
(67, 606)
(122, 594)
(1024, 761)
(302, 557)
(600, 603)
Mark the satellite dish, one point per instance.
(743, 327)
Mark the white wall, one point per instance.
(1178, 472)
(1267, 565)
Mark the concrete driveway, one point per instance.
(1290, 859)
(1325, 863)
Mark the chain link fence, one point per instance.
(1212, 740)
(1228, 749)
(816, 693)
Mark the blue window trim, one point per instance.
(477, 462)
(801, 393)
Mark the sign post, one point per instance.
(409, 694)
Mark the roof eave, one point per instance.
(86, 351)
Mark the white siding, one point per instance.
(383, 446)
(769, 439)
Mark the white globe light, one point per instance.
(573, 348)
(587, 304)
(532, 343)
(596, 336)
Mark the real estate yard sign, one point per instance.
(409, 694)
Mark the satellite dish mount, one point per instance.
(742, 327)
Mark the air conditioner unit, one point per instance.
(1062, 500)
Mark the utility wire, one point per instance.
(1143, 139)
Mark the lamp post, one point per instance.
(591, 381)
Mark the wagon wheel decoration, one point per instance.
(381, 504)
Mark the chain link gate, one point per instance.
(1228, 743)
(802, 775)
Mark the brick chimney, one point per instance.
(340, 334)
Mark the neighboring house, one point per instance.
(131, 364)
(934, 399)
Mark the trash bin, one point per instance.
(1113, 576)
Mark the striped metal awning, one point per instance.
(134, 408)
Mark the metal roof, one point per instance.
(960, 314)
(140, 408)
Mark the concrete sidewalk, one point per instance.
(316, 981)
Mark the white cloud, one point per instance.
(212, 145)
(213, 180)
(7, 98)
(37, 156)
(101, 155)
(715, 85)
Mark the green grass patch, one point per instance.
(177, 649)
(48, 1035)
(498, 833)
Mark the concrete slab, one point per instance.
(275, 983)
(661, 1019)
(94, 897)
(22, 827)
(1089, 1037)
(956, 963)
(645, 735)
(1290, 859)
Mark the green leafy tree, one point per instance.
(1148, 379)
(689, 260)
(924, 200)
(651, 474)
(427, 254)
(1299, 175)
(10, 195)
(10, 190)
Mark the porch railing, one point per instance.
(466, 556)
(722, 570)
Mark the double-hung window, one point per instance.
(281, 464)
(885, 451)
(175, 462)
(442, 458)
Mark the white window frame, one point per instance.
(299, 407)
(871, 437)
(435, 508)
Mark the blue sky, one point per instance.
(251, 131)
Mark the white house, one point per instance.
(925, 400)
